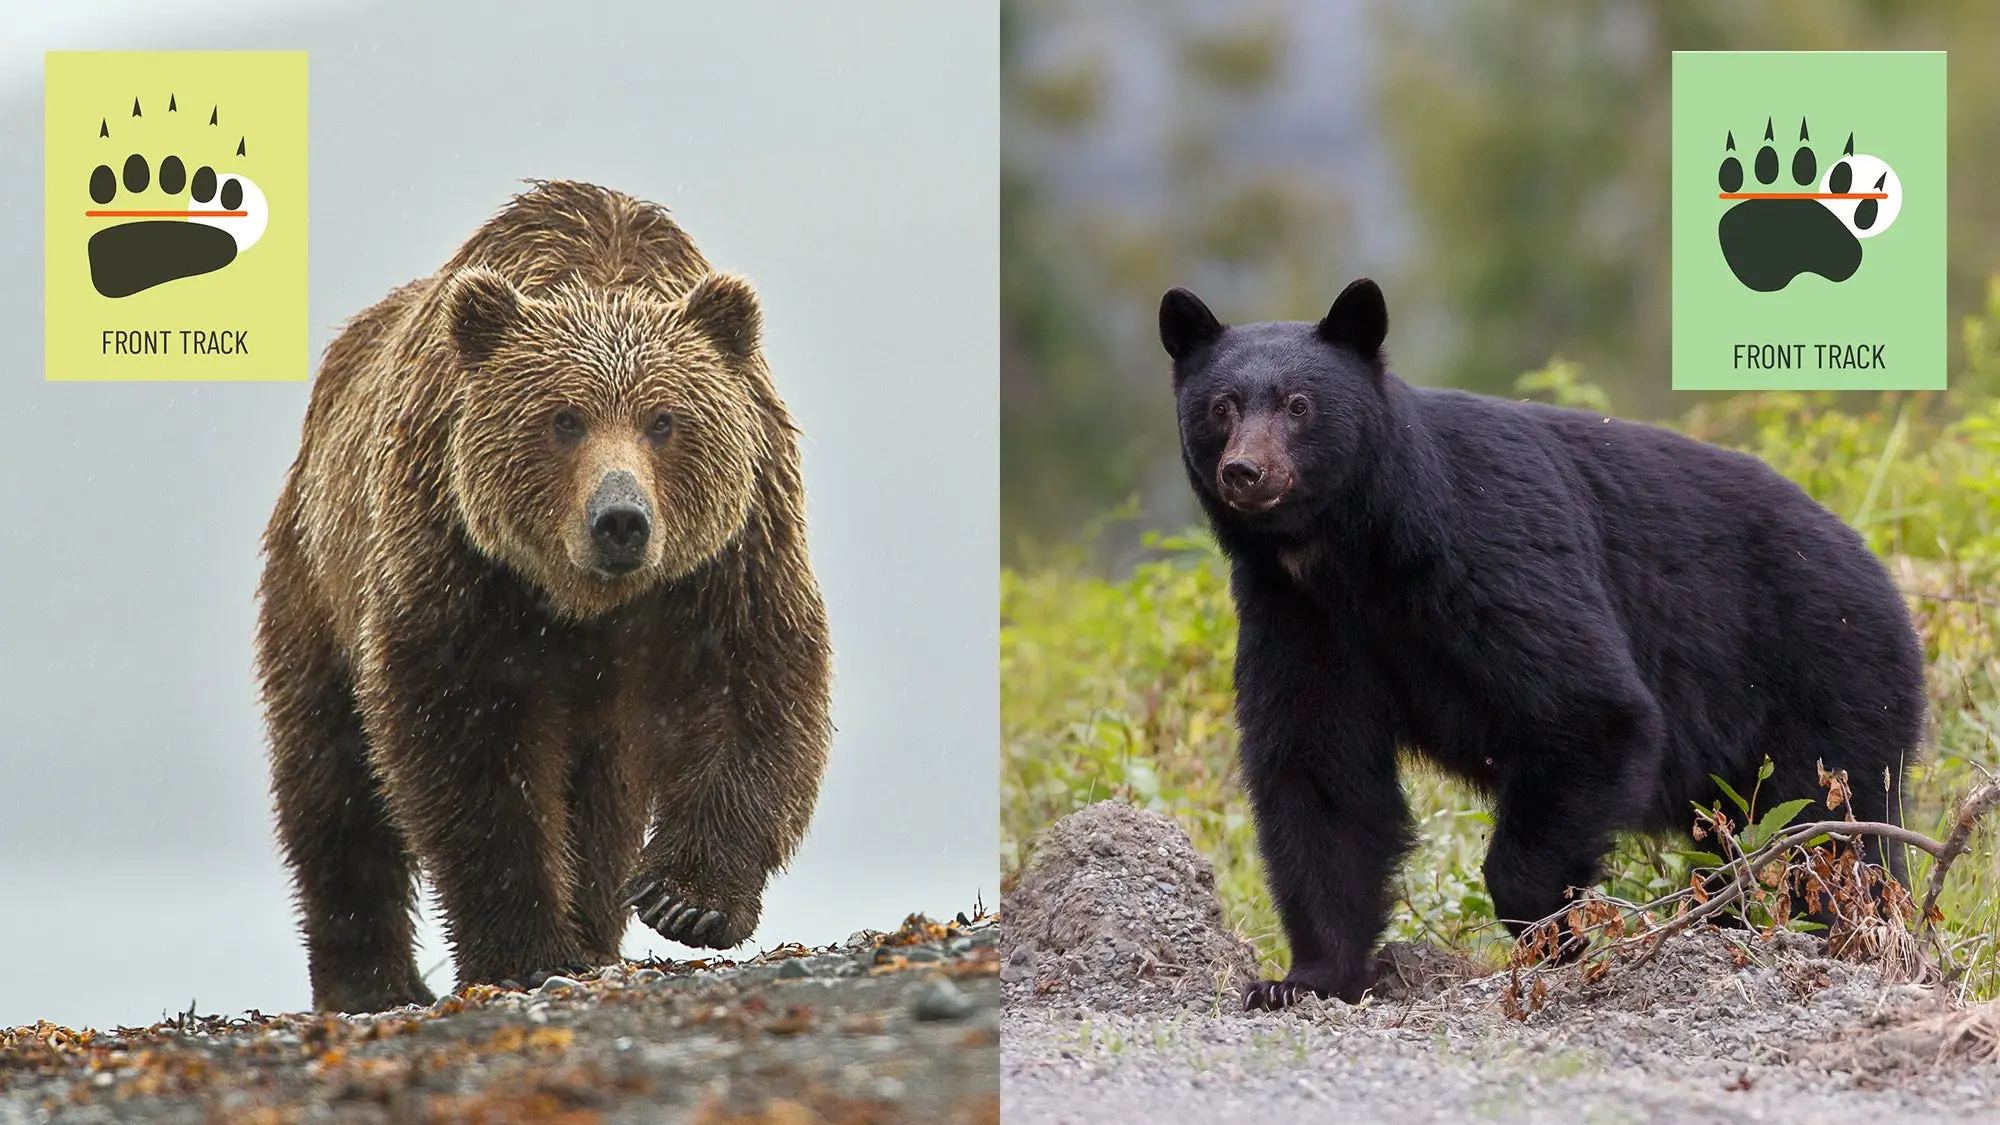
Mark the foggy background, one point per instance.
(843, 157)
(1500, 166)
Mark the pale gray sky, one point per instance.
(844, 157)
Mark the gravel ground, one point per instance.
(883, 1028)
(1720, 1026)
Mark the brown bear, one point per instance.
(538, 579)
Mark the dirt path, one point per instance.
(885, 1028)
(1104, 1024)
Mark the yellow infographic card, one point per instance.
(174, 213)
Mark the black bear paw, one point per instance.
(1272, 995)
(678, 918)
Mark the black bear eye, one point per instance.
(568, 425)
(1221, 408)
(663, 424)
(1297, 405)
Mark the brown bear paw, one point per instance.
(357, 997)
(683, 918)
(528, 982)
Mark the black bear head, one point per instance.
(1276, 417)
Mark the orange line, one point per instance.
(1803, 195)
(164, 214)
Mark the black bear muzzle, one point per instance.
(1255, 472)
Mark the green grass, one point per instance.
(1120, 687)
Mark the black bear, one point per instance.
(1583, 617)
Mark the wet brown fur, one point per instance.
(447, 682)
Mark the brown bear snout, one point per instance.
(620, 522)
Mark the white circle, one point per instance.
(1868, 170)
(246, 228)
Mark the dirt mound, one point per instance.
(1117, 913)
(1419, 970)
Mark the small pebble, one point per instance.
(648, 976)
(793, 970)
(560, 984)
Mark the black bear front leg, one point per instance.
(1560, 802)
(1319, 761)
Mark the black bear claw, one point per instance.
(1271, 995)
(673, 917)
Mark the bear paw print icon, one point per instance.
(172, 222)
(1771, 235)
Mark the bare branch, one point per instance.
(1978, 804)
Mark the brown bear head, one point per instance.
(603, 442)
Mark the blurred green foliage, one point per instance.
(1120, 687)
(1533, 142)
(1527, 142)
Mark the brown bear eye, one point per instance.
(1297, 405)
(568, 425)
(663, 424)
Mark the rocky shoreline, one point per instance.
(891, 1027)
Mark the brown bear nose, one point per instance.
(1240, 474)
(622, 528)
(619, 522)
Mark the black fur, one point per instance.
(1583, 617)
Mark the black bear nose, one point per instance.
(620, 522)
(1241, 474)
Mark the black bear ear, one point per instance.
(1359, 319)
(1186, 323)
(484, 309)
(724, 307)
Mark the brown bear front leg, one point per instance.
(607, 803)
(470, 741)
(734, 732)
(355, 877)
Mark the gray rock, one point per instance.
(939, 999)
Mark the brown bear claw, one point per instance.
(677, 919)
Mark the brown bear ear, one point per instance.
(724, 308)
(1358, 320)
(1185, 323)
(484, 307)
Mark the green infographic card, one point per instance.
(174, 214)
(1809, 220)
